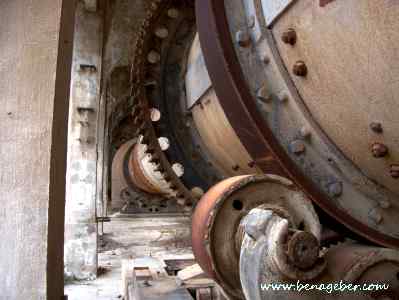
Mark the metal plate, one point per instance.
(235, 86)
(351, 49)
(197, 78)
(273, 9)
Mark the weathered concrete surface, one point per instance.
(158, 237)
(35, 56)
(80, 218)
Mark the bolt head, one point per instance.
(263, 94)
(305, 132)
(178, 169)
(376, 216)
(289, 37)
(153, 57)
(155, 115)
(385, 204)
(162, 32)
(300, 69)
(243, 38)
(379, 150)
(335, 189)
(394, 171)
(173, 13)
(376, 127)
(266, 59)
(298, 147)
(283, 97)
(303, 249)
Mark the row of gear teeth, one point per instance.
(143, 114)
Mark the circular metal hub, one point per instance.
(278, 95)
(216, 221)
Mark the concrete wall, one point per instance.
(80, 218)
(35, 56)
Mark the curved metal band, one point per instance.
(240, 108)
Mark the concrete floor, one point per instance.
(159, 237)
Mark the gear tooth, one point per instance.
(145, 140)
(180, 195)
(150, 150)
(181, 201)
(154, 5)
(154, 159)
(136, 110)
(142, 115)
(173, 186)
(159, 168)
(166, 177)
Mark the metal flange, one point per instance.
(216, 230)
(277, 128)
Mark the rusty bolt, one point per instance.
(300, 69)
(161, 32)
(395, 171)
(265, 59)
(297, 147)
(153, 57)
(303, 249)
(289, 36)
(379, 150)
(243, 38)
(376, 127)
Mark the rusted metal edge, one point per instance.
(240, 108)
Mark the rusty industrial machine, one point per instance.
(275, 122)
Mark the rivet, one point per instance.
(265, 59)
(384, 204)
(297, 147)
(394, 171)
(162, 32)
(181, 201)
(335, 189)
(376, 216)
(300, 69)
(289, 36)
(379, 150)
(305, 132)
(263, 94)
(173, 13)
(376, 127)
(283, 97)
(164, 143)
(153, 57)
(155, 115)
(178, 169)
(243, 38)
(197, 192)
